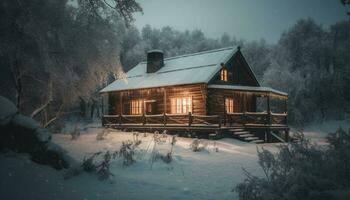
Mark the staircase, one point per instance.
(244, 135)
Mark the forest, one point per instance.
(56, 56)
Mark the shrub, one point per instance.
(102, 134)
(301, 170)
(103, 170)
(89, 163)
(196, 145)
(136, 139)
(127, 151)
(75, 133)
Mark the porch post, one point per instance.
(121, 103)
(268, 109)
(285, 105)
(164, 99)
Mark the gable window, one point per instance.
(229, 105)
(223, 75)
(181, 105)
(136, 107)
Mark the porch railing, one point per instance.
(163, 119)
(256, 118)
(230, 119)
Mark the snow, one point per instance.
(318, 131)
(249, 88)
(191, 175)
(24, 121)
(7, 110)
(185, 69)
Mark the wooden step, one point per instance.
(213, 136)
(241, 132)
(251, 138)
(236, 129)
(257, 141)
(246, 135)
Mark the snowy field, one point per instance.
(191, 175)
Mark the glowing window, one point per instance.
(229, 105)
(181, 105)
(223, 75)
(136, 107)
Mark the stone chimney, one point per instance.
(155, 60)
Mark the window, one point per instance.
(181, 105)
(223, 75)
(229, 105)
(136, 107)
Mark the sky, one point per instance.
(245, 19)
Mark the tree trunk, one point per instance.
(82, 107)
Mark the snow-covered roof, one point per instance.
(248, 88)
(186, 69)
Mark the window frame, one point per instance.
(229, 104)
(224, 75)
(181, 105)
(136, 107)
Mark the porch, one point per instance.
(257, 126)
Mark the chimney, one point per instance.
(155, 60)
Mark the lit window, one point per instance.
(136, 107)
(229, 105)
(181, 105)
(223, 75)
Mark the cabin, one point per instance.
(207, 94)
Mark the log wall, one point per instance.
(119, 102)
(243, 102)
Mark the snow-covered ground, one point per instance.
(191, 175)
(317, 132)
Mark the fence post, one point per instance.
(143, 119)
(190, 118)
(120, 120)
(164, 119)
(244, 118)
(219, 118)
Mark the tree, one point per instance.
(345, 2)
(53, 54)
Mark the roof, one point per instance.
(248, 88)
(180, 70)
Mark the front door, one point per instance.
(150, 107)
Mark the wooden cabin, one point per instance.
(212, 92)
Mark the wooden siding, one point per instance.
(243, 102)
(239, 72)
(119, 102)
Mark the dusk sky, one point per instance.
(246, 19)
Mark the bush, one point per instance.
(75, 133)
(301, 170)
(103, 171)
(102, 134)
(127, 152)
(197, 145)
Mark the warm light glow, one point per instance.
(181, 105)
(136, 107)
(229, 105)
(223, 75)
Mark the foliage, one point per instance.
(75, 133)
(301, 170)
(197, 145)
(57, 54)
(102, 134)
(92, 164)
(127, 152)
